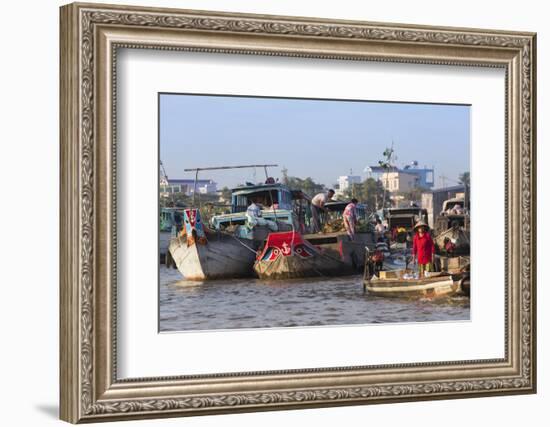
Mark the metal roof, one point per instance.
(448, 189)
(189, 181)
(247, 189)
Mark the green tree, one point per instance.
(373, 194)
(176, 199)
(414, 195)
(369, 192)
(225, 193)
(307, 185)
(355, 191)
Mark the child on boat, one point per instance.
(423, 249)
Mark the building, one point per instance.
(433, 200)
(424, 176)
(187, 186)
(400, 181)
(345, 183)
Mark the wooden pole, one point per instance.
(195, 186)
(229, 167)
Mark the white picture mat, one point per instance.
(143, 352)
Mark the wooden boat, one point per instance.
(199, 255)
(338, 245)
(459, 267)
(228, 250)
(398, 286)
(288, 255)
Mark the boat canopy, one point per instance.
(450, 203)
(406, 217)
(277, 196)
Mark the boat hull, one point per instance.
(432, 287)
(287, 255)
(222, 257)
(338, 246)
(295, 267)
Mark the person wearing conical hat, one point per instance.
(423, 249)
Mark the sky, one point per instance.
(322, 139)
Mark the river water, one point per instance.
(253, 303)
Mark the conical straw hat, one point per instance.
(421, 224)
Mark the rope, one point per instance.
(238, 240)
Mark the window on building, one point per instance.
(429, 178)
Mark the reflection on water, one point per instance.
(253, 303)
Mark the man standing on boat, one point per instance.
(379, 229)
(350, 218)
(423, 249)
(318, 205)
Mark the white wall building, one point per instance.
(207, 188)
(187, 186)
(345, 182)
(399, 181)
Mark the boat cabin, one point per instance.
(405, 217)
(278, 203)
(269, 196)
(171, 217)
(454, 206)
(453, 214)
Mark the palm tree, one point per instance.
(387, 165)
(464, 179)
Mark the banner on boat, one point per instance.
(193, 227)
(286, 244)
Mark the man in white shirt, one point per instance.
(379, 229)
(254, 216)
(254, 210)
(318, 205)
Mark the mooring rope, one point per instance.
(238, 240)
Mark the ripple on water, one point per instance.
(249, 303)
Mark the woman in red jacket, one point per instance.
(423, 249)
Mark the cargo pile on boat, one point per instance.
(334, 226)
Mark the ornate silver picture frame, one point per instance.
(91, 35)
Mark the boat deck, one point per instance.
(406, 288)
(390, 283)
